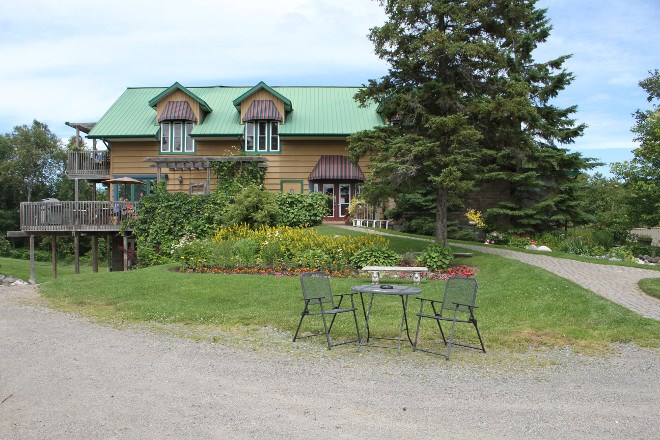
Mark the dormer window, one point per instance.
(175, 137)
(262, 137)
(176, 126)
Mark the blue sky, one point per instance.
(69, 60)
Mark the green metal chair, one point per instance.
(456, 306)
(319, 300)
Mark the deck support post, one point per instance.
(95, 253)
(108, 239)
(125, 244)
(33, 266)
(53, 253)
(76, 253)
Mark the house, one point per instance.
(175, 134)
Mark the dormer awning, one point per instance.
(262, 109)
(179, 111)
(336, 168)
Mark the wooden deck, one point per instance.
(65, 216)
(88, 164)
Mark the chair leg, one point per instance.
(474, 321)
(435, 312)
(357, 328)
(302, 315)
(419, 323)
(451, 334)
(325, 327)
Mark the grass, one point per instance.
(563, 255)
(651, 286)
(519, 305)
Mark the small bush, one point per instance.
(436, 257)
(464, 234)
(302, 209)
(246, 251)
(375, 256)
(519, 242)
(312, 259)
(421, 226)
(5, 247)
(253, 206)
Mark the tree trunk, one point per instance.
(441, 216)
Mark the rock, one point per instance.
(544, 249)
(531, 247)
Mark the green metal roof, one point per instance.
(319, 111)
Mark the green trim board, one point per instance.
(263, 86)
(176, 86)
(301, 182)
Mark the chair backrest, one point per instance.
(316, 285)
(459, 290)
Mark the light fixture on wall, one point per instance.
(180, 179)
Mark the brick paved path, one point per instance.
(616, 283)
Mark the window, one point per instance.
(175, 137)
(262, 137)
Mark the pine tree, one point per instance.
(465, 100)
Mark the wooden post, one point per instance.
(125, 244)
(33, 266)
(109, 248)
(53, 251)
(76, 253)
(207, 190)
(95, 253)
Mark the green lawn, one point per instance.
(651, 286)
(519, 305)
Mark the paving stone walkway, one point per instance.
(616, 283)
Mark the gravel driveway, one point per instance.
(65, 377)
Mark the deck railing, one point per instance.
(67, 216)
(88, 163)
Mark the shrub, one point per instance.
(436, 257)
(252, 206)
(374, 256)
(421, 226)
(302, 209)
(496, 238)
(519, 242)
(312, 259)
(5, 247)
(464, 234)
(245, 251)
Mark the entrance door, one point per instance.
(329, 190)
(340, 195)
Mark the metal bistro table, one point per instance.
(404, 292)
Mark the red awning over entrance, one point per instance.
(177, 111)
(263, 110)
(336, 168)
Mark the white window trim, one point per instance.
(258, 147)
(185, 149)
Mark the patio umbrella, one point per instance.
(124, 180)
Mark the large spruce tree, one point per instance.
(466, 103)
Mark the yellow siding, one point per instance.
(263, 95)
(178, 95)
(296, 161)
